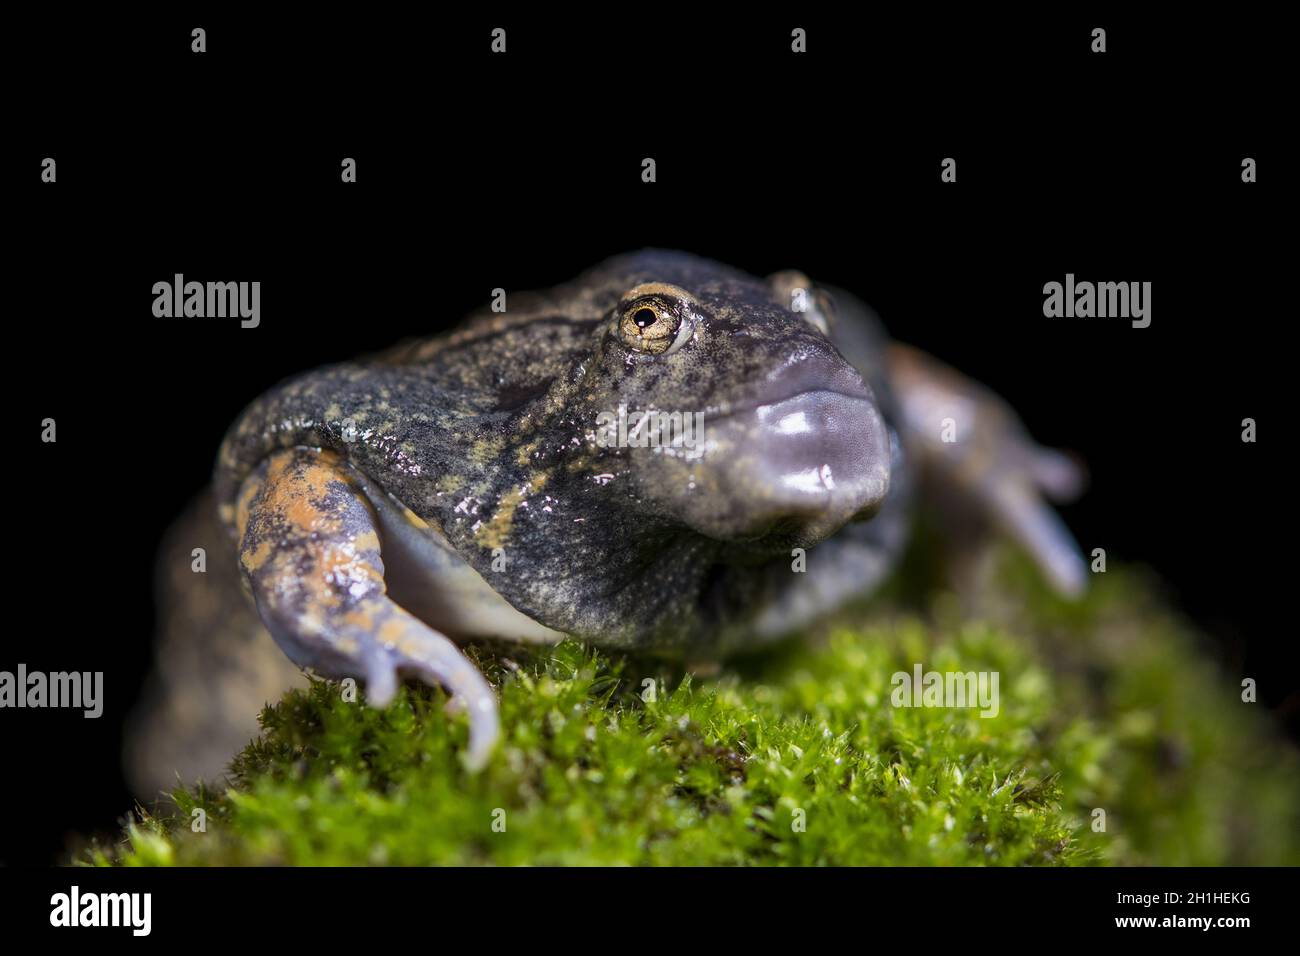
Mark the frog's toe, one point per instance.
(1040, 531)
(420, 651)
(381, 678)
(1059, 476)
(394, 644)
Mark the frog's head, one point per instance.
(792, 444)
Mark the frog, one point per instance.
(382, 513)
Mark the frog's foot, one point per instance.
(976, 453)
(310, 550)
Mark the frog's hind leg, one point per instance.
(215, 666)
(310, 550)
(976, 457)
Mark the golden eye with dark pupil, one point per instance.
(655, 318)
(649, 327)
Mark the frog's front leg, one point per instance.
(310, 550)
(974, 452)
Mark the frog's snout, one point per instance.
(822, 460)
(801, 463)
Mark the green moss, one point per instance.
(1107, 704)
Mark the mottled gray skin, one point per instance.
(387, 509)
(489, 436)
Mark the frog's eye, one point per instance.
(796, 292)
(822, 314)
(655, 318)
(649, 326)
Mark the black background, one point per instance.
(478, 171)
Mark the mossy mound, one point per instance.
(793, 757)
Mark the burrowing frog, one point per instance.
(385, 510)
